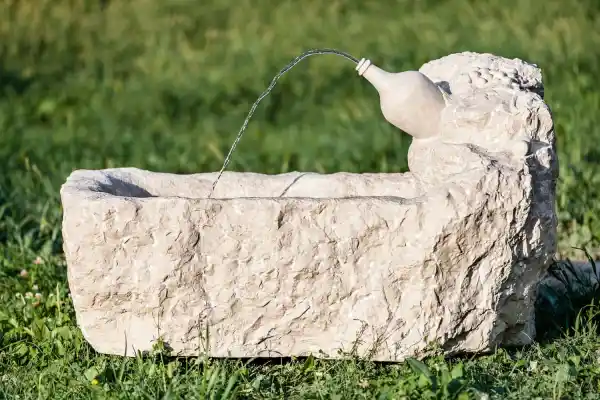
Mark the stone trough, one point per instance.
(379, 265)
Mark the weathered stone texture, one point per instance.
(284, 265)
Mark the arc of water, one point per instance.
(264, 94)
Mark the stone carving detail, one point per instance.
(381, 264)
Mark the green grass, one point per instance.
(165, 84)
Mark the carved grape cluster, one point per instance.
(482, 77)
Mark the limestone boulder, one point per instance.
(380, 265)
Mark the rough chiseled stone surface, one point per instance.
(381, 264)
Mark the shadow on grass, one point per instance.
(569, 289)
(12, 82)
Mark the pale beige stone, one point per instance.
(285, 265)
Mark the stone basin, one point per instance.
(377, 265)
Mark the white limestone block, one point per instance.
(286, 265)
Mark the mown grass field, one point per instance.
(165, 84)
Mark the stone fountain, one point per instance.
(378, 265)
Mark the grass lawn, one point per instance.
(165, 85)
